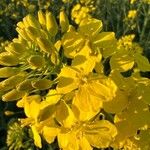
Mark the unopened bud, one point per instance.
(20, 25)
(33, 21)
(64, 22)
(45, 45)
(42, 19)
(33, 33)
(51, 24)
(54, 58)
(14, 80)
(13, 95)
(6, 72)
(9, 113)
(25, 22)
(16, 48)
(23, 34)
(36, 61)
(42, 84)
(8, 59)
(25, 85)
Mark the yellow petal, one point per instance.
(72, 43)
(84, 144)
(122, 62)
(68, 141)
(36, 137)
(85, 106)
(27, 102)
(117, 104)
(67, 80)
(64, 22)
(50, 133)
(53, 97)
(100, 134)
(85, 61)
(67, 118)
(106, 41)
(105, 89)
(142, 62)
(90, 26)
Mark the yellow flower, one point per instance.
(39, 113)
(132, 1)
(132, 14)
(79, 13)
(127, 55)
(74, 135)
(79, 78)
(88, 33)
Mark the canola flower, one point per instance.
(82, 11)
(132, 14)
(60, 83)
(132, 1)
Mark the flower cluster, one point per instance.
(58, 75)
(82, 10)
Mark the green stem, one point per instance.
(145, 23)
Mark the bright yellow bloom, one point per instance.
(78, 135)
(127, 55)
(80, 12)
(88, 33)
(91, 90)
(132, 14)
(132, 1)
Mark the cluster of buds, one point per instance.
(30, 61)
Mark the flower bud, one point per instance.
(3, 88)
(36, 61)
(42, 84)
(21, 25)
(16, 49)
(33, 21)
(13, 80)
(25, 85)
(51, 24)
(23, 34)
(13, 95)
(8, 59)
(6, 72)
(64, 22)
(25, 22)
(42, 19)
(54, 58)
(33, 33)
(45, 45)
(9, 113)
